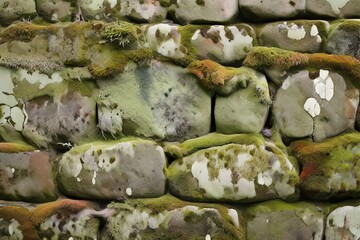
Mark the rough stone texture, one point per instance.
(344, 39)
(333, 8)
(245, 110)
(113, 170)
(55, 220)
(300, 36)
(55, 10)
(170, 218)
(224, 44)
(315, 103)
(260, 10)
(25, 174)
(278, 220)
(343, 223)
(330, 168)
(147, 11)
(244, 169)
(160, 100)
(98, 9)
(11, 10)
(189, 11)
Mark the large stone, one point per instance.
(240, 168)
(189, 11)
(333, 8)
(160, 100)
(170, 218)
(11, 10)
(25, 174)
(113, 170)
(300, 36)
(65, 219)
(344, 40)
(330, 169)
(224, 44)
(275, 220)
(259, 10)
(245, 110)
(318, 103)
(98, 9)
(343, 223)
(147, 11)
(55, 10)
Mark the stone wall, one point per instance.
(179, 119)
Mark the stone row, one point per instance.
(170, 218)
(240, 168)
(184, 11)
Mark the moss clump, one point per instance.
(191, 54)
(121, 32)
(10, 147)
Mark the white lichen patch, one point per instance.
(234, 43)
(234, 216)
(165, 39)
(95, 4)
(312, 107)
(294, 31)
(342, 181)
(109, 118)
(324, 86)
(7, 88)
(128, 191)
(14, 230)
(39, 78)
(314, 31)
(286, 83)
(93, 180)
(145, 10)
(343, 223)
(207, 237)
(336, 5)
(235, 178)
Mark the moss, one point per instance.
(123, 33)
(186, 33)
(10, 147)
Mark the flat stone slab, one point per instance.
(113, 170)
(25, 174)
(246, 168)
(171, 218)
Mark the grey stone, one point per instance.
(258, 10)
(55, 10)
(11, 10)
(147, 11)
(300, 36)
(343, 223)
(98, 9)
(188, 11)
(113, 170)
(161, 100)
(319, 104)
(333, 8)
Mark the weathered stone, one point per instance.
(245, 110)
(330, 168)
(188, 11)
(55, 10)
(315, 103)
(11, 10)
(147, 11)
(160, 100)
(65, 219)
(98, 9)
(300, 36)
(333, 8)
(344, 40)
(343, 223)
(25, 174)
(240, 168)
(260, 10)
(278, 220)
(113, 170)
(170, 218)
(224, 44)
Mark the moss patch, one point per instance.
(10, 147)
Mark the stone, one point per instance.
(64, 219)
(25, 174)
(146, 11)
(98, 9)
(333, 8)
(189, 11)
(171, 218)
(245, 110)
(158, 100)
(224, 44)
(330, 168)
(11, 10)
(300, 36)
(343, 39)
(259, 10)
(132, 168)
(316, 103)
(343, 223)
(240, 168)
(55, 10)
(279, 220)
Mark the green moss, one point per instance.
(11, 147)
(192, 54)
(123, 33)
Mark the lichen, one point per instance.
(124, 33)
